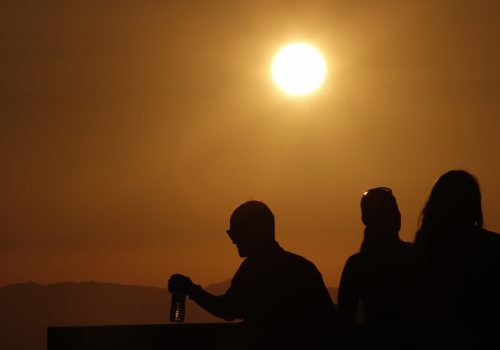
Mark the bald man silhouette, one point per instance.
(271, 285)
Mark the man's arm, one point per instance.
(221, 306)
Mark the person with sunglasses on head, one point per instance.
(271, 285)
(380, 275)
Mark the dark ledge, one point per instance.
(238, 336)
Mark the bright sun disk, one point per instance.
(299, 69)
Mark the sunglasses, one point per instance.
(378, 189)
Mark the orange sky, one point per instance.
(130, 130)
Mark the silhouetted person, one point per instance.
(459, 261)
(380, 275)
(271, 285)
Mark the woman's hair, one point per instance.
(379, 207)
(453, 205)
(380, 214)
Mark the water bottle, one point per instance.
(177, 307)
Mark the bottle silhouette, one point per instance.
(177, 307)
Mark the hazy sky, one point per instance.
(130, 130)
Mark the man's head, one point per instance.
(379, 209)
(251, 227)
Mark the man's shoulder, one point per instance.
(297, 258)
(298, 261)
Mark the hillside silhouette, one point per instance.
(29, 308)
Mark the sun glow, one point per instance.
(299, 69)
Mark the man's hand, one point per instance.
(180, 284)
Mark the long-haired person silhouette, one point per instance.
(458, 260)
(380, 275)
(271, 285)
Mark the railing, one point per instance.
(236, 336)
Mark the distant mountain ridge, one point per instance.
(27, 309)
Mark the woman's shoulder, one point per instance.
(354, 261)
(491, 237)
(491, 233)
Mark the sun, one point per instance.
(299, 69)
